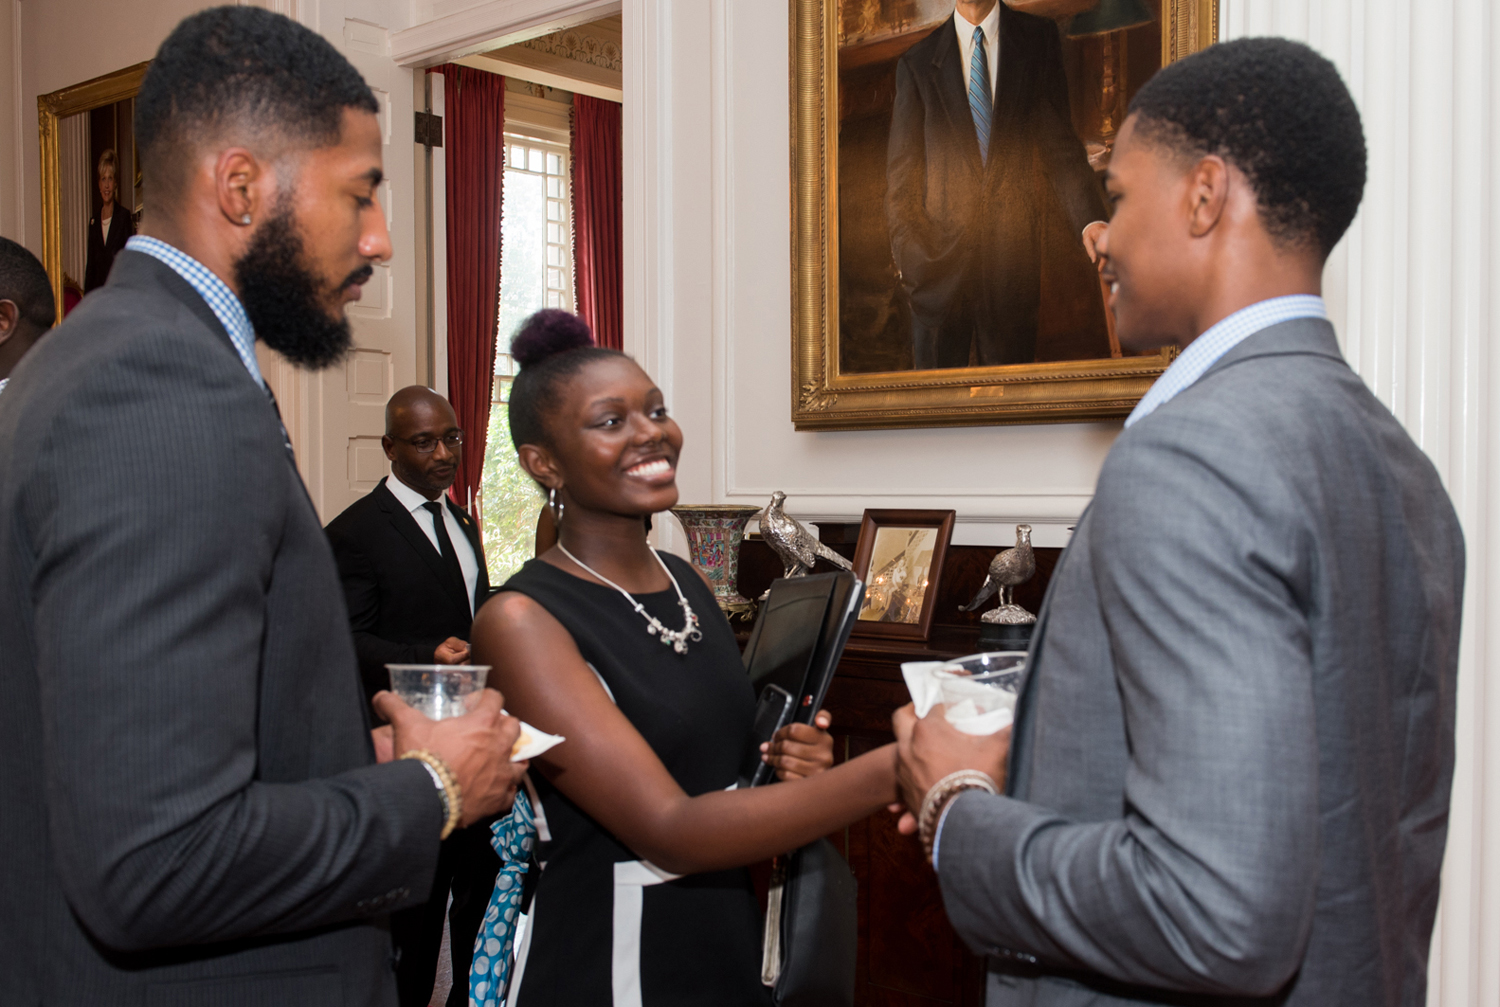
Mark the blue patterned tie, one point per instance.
(512, 838)
(980, 104)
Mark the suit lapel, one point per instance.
(1012, 86)
(953, 92)
(117, 220)
(402, 520)
(1025, 703)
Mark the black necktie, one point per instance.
(445, 545)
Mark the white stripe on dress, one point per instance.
(632, 877)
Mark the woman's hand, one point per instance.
(800, 750)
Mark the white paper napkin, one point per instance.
(532, 743)
(926, 692)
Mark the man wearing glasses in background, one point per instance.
(413, 574)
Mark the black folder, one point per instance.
(798, 639)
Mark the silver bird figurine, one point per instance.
(798, 548)
(1011, 567)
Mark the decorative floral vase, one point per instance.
(714, 534)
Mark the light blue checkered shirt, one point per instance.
(221, 300)
(1205, 351)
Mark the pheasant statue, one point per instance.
(1012, 567)
(798, 548)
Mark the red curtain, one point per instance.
(598, 228)
(474, 144)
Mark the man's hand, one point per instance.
(930, 748)
(476, 748)
(1091, 236)
(451, 651)
(385, 743)
(800, 750)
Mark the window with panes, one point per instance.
(536, 271)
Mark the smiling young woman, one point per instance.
(644, 898)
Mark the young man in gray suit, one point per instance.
(1229, 776)
(193, 809)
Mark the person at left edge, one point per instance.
(413, 572)
(27, 309)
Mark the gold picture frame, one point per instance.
(825, 397)
(91, 94)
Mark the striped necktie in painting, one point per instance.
(980, 104)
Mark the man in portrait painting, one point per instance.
(983, 167)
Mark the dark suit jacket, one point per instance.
(191, 810)
(402, 601)
(101, 253)
(1233, 755)
(955, 220)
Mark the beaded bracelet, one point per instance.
(941, 793)
(453, 800)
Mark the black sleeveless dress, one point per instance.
(605, 926)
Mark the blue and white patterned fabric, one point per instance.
(512, 837)
(981, 107)
(1205, 351)
(221, 300)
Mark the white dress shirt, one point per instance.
(416, 503)
(991, 26)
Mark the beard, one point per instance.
(285, 299)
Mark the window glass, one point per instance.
(536, 271)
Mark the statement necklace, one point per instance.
(676, 638)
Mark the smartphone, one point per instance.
(772, 713)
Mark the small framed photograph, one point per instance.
(900, 558)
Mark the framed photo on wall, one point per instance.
(900, 558)
(941, 242)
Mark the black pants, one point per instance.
(996, 318)
(467, 866)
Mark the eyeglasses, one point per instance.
(427, 445)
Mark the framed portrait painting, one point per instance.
(900, 558)
(947, 187)
(92, 192)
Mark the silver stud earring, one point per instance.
(245, 220)
(556, 505)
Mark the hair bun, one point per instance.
(547, 333)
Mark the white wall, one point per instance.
(11, 223)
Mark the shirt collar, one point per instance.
(990, 24)
(408, 497)
(1205, 351)
(214, 291)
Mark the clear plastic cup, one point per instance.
(438, 690)
(980, 686)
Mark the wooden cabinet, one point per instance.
(908, 954)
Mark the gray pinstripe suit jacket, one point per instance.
(1231, 767)
(190, 810)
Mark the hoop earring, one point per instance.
(556, 505)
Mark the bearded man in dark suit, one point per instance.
(413, 574)
(194, 809)
(980, 129)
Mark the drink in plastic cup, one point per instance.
(438, 690)
(979, 692)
